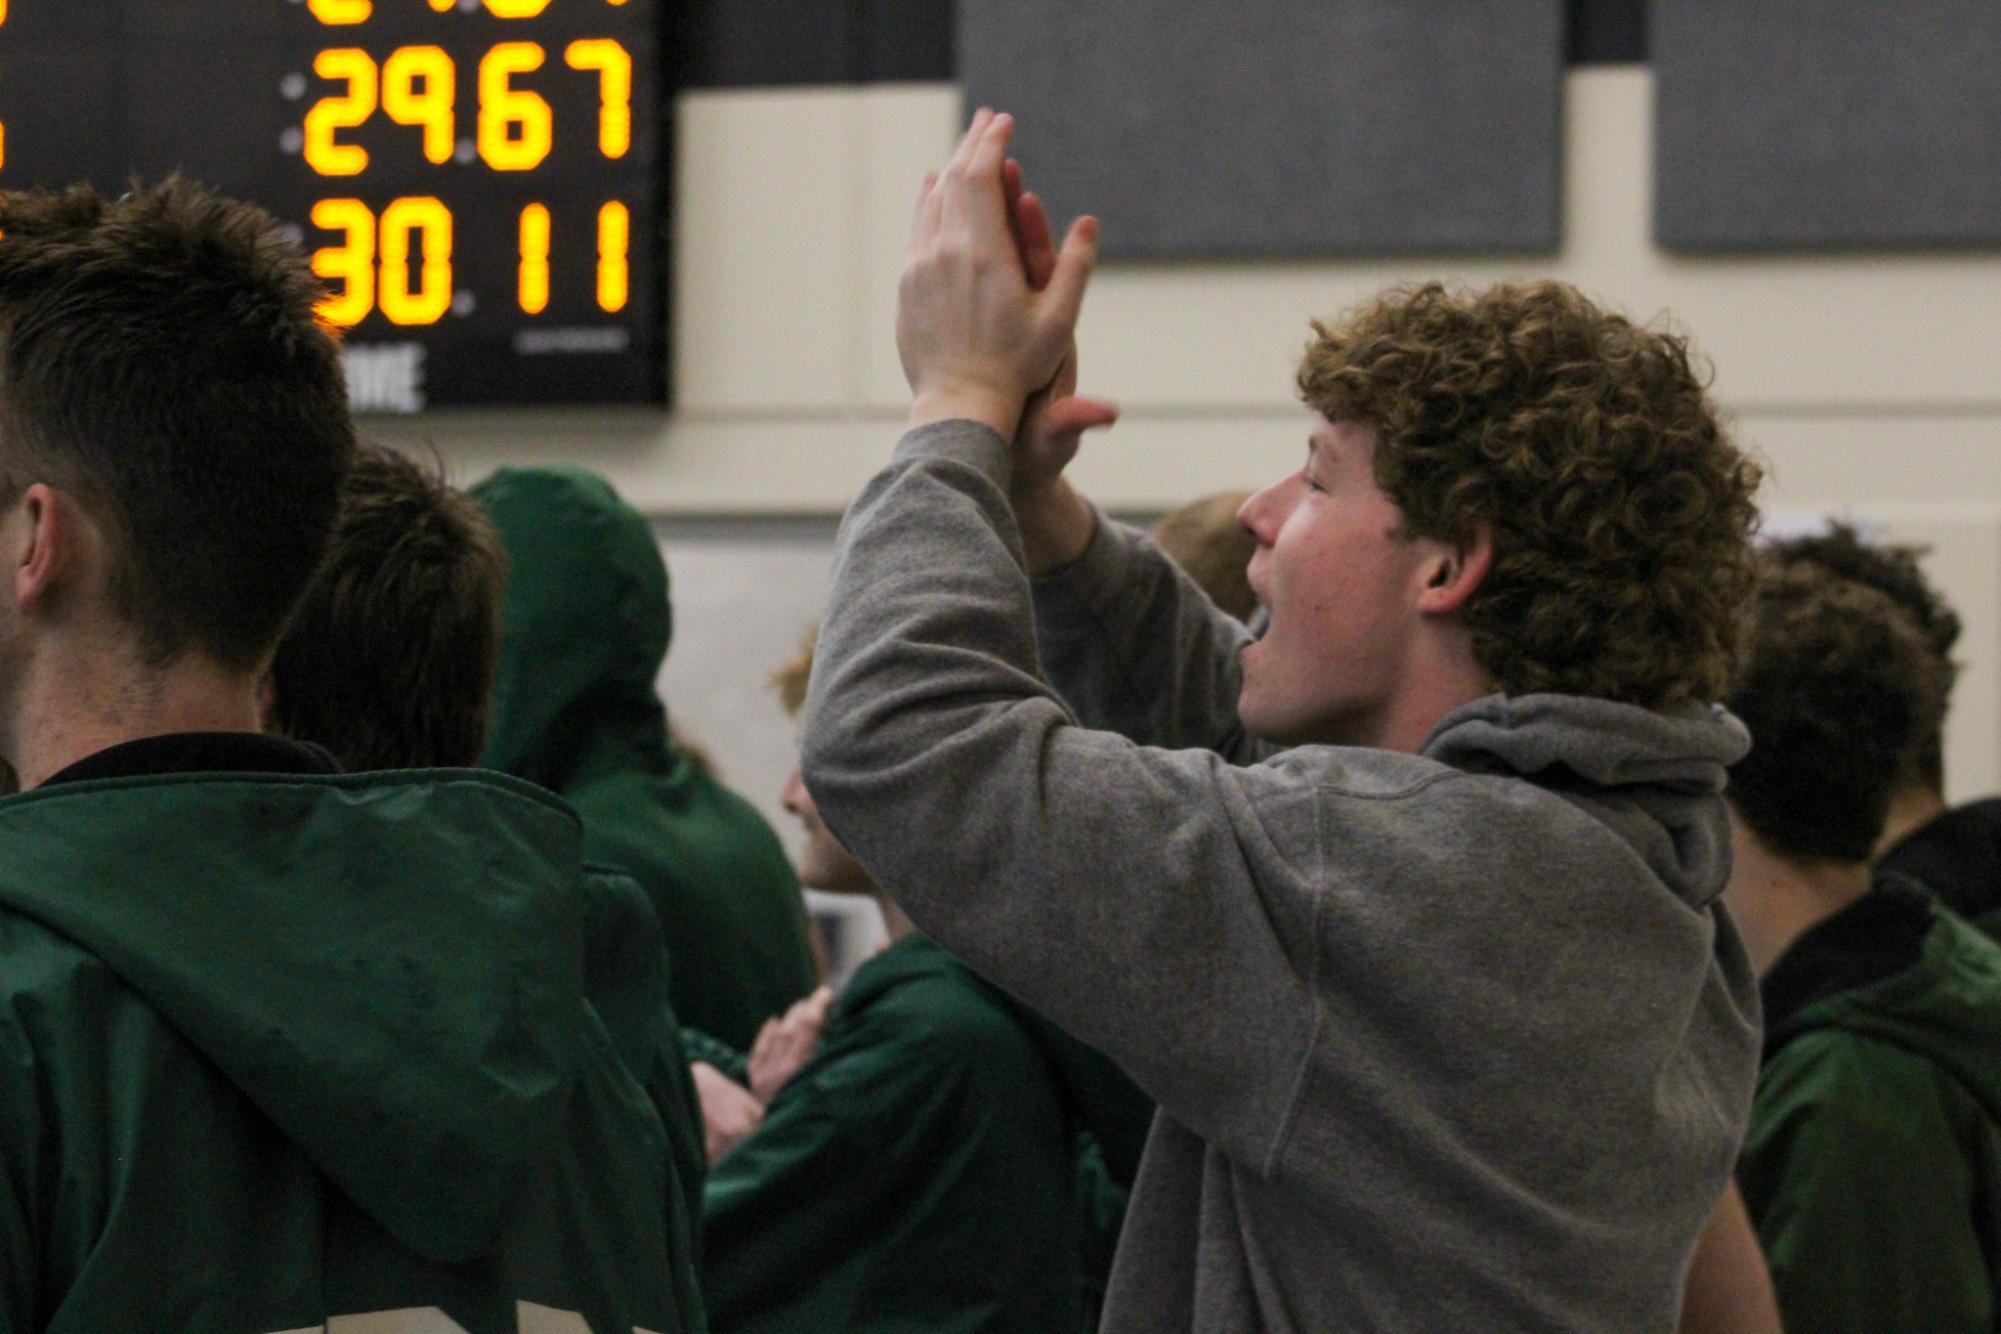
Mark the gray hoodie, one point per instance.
(1454, 1040)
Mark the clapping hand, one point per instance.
(977, 337)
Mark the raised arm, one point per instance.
(1113, 887)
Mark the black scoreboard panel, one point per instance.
(480, 183)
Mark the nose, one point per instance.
(1261, 515)
(795, 798)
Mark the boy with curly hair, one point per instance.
(1406, 912)
(1870, 1165)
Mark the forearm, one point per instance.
(1134, 647)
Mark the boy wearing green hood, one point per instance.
(279, 1047)
(1872, 1166)
(585, 626)
(921, 1169)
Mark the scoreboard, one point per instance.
(480, 184)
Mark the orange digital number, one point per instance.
(355, 68)
(535, 259)
(614, 245)
(338, 13)
(516, 9)
(351, 263)
(515, 126)
(614, 70)
(417, 89)
(430, 222)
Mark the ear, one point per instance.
(1455, 572)
(45, 529)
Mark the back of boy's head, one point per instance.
(163, 363)
(1204, 538)
(1896, 572)
(1585, 446)
(1837, 681)
(389, 662)
(160, 361)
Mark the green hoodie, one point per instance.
(919, 1173)
(575, 709)
(275, 1049)
(1872, 1169)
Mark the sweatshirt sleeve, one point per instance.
(1158, 904)
(1133, 646)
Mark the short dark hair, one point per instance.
(1896, 572)
(1586, 446)
(160, 359)
(1838, 680)
(389, 662)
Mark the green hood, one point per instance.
(388, 969)
(1946, 1008)
(585, 629)
(586, 623)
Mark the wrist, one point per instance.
(1056, 523)
(968, 401)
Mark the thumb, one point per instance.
(1065, 295)
(1076, 414)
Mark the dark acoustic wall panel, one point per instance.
(1805, 123)
(1285, 127)
(780, 43)
(1607, 32)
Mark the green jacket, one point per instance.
(1873, 1165)
(575, 709)
(919, 1173)
(279, 1048)
(625, 980)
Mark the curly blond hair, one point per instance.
(1620, 513)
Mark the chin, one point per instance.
(1256, 720)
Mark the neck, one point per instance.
(1910, 810)
(893, 919)
(75, 703)
(1776, 899)
(1442, 680)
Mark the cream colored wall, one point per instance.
(1870, 385)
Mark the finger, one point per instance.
(963, 153)
(1076, 414)
(924, 224)
(1038, 243)
(1011, 197)
(990, 147)
(1074, 263)
(984, 211)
